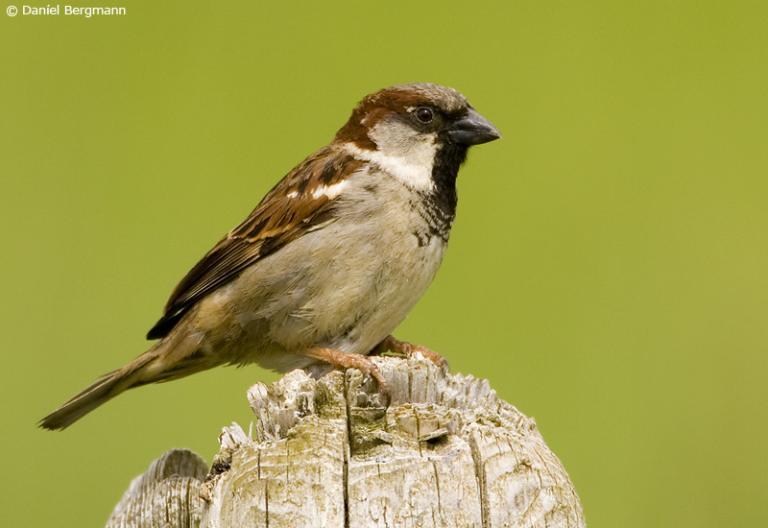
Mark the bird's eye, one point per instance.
(425, 114)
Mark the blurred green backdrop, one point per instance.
(607, 271)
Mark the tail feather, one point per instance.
(102, 390)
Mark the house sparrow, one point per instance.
(330, 261)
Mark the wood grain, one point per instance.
(446, 452)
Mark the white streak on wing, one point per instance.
(293, 194)
(331, 191)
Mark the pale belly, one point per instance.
(361, 294)
(348, 299)
(346, 286)
(403, 283)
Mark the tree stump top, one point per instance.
(328, 453)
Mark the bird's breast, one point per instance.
(349, 284)
(388, 257)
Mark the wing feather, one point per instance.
(288, 211)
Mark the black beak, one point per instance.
(472, 129)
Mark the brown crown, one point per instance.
(396, 100)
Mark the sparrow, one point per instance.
(329, 262)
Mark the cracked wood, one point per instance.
(447, 452)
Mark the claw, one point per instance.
(392, 344)
(343, 360)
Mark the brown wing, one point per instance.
(288, 211)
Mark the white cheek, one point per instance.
(413, 166)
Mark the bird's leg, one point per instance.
(339, 359)
(392, 344)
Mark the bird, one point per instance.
(330, 261)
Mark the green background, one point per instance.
(607, 271)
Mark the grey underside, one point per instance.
(344, 285)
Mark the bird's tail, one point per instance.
(102, 390)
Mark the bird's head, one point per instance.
(411, 129)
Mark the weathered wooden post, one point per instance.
(327, 453)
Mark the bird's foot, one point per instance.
(406, 349)
(340, 359)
